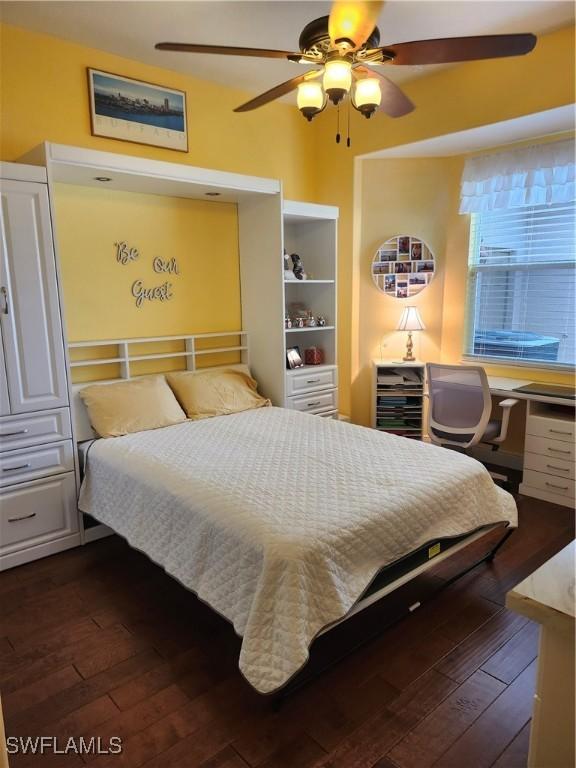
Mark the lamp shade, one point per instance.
(410, 320)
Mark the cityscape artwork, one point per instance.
(132, 110)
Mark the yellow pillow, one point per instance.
(215, 393)
(131, 406)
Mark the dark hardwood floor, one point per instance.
(97, 641)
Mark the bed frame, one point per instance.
(205, 347)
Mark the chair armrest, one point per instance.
(506, 406)
(509, 403)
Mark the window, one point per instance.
(521, 285)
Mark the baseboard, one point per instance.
(96, 532)
(498, 458)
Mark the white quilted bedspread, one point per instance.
(279, 520)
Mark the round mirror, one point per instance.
(403, 266)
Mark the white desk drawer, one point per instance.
(315, 402)
(33, 513)
(558, 485)
(310, 380)
(553, 448)
(549, 465)
(30, 463)
(34, 429)
(556, 429)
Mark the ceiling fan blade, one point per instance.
(453, 49)
(353, 21)
(227, 50)
(394, 102)
(278, 91)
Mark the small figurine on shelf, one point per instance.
(287, 321)
(298, 267)
(288, 274)
(320, 321)
(314, 356)
(300, 322)
(310, 320)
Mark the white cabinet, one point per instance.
(29, 304)
(38, 512)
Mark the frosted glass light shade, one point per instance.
(310, 95)
(337, 78)
(367, 92)
(410, 320)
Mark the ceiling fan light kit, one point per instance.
(343, 43)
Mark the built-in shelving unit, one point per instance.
(311, 232)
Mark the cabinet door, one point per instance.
(4, 399)
(29, 306)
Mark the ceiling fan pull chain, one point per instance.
(348, 142)
(338, 124)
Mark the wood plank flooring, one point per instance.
(98, 641)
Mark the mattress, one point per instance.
(280, 520)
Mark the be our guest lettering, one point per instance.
(170, 266)
(158, 292)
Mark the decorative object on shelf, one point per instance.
(403, 266)
(310, 320)
(342, 43)
(314, 356)
(288, 274)
(320, 321)
(293, 358)
(298, 267)
(287, 321)
(132, 110)
(410, 320)
(300, 322)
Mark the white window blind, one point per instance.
(521, 285)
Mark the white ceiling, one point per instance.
(131, 28)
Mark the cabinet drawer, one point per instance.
(34, 429)
(550, 465)
(33, 513)
(30, 463)
(311, 381)
(549, 483)
(556, 429)
(553, 448)
(315, 402)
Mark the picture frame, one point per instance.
(403, 266)
(294, 358)
(127, 109)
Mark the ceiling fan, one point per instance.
(345, 45)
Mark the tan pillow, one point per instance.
(215, 393)
(131, 406)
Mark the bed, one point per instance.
(282, 521)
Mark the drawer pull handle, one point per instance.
(24, 517)
(13, 469)
(12, 434)
(560, 432)
(312, 381)
(559, 450)
(313, 405)
(560, 469)
(560, 487)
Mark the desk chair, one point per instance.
(460, 408)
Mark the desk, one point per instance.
(547, 596)
(549, 450)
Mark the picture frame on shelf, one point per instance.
(294, 358)
(137, 111)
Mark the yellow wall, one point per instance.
(44, 97)
(454, 99)
(201, 236)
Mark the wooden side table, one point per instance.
(547, 596)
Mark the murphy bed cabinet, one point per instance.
(38, 513)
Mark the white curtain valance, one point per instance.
(529, 176)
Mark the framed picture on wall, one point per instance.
(133, 110)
